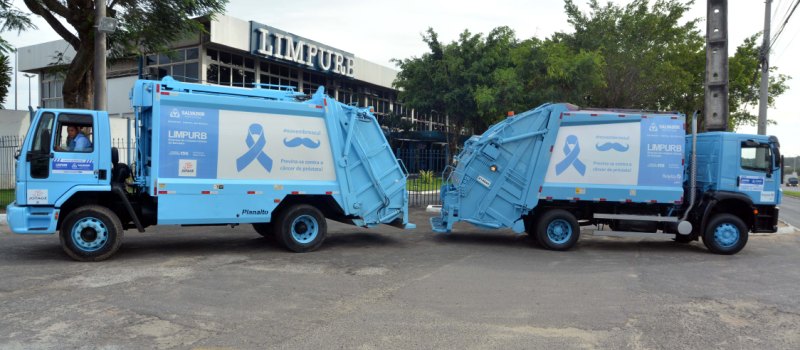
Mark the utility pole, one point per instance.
(16, 77)
(764, 93)
(29, 76)
(716, 92)
(99, 57)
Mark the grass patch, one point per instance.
(6, 197)
(795, 194)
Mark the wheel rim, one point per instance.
(305, 229)
(726, 235)
(559, 231)
(89, 234)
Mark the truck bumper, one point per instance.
(31, 220)
(767, 219)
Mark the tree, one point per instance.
(651, 58)
(144, 26)
(745, 82)
(11, 19)
(5, 78)
(476, 80)
(655, 60)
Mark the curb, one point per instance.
(786, 229)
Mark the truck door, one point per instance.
(756, 177)
(62, 155)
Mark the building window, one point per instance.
(51, 90)
(180, 64)
(278, 75)
(230, 69)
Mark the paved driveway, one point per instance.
(218, 287)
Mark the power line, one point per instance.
(783, 26)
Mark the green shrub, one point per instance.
(426, 176)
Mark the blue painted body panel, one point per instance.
(559, 153)
(31, 219)
(357, 168)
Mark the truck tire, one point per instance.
(91, 233)
(265, 229)
(725, 234)
(557, 229)
(301, 228)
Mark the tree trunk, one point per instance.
(79, 82)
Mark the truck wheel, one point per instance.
(265, 229)
(725, 234)
(91, 233)
(557, 230)
(301, 228)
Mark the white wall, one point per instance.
(39, 56)
(231, 32)
(119, 95)
(13, 123)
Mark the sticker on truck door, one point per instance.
(73, 166)
(751, 183)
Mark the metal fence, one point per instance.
(122, 147)
(425, 174)
(424, 166)
(8, 148)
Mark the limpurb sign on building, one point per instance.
(266, 41)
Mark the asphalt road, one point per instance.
(790, 208)
(387, 288)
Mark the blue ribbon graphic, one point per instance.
(571, 156)
(256, 150)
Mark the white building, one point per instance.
(235, 52)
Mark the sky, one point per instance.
(380, 31)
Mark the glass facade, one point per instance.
(182, 64)
(216, 65)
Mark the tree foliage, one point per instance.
(5, 78)
(144, 26)
(11, 20)
(638, 56)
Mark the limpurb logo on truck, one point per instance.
(188, 144)
(256, 141)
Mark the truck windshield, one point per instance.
(756, 157)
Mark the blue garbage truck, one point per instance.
(268, 156)
(553, 169)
